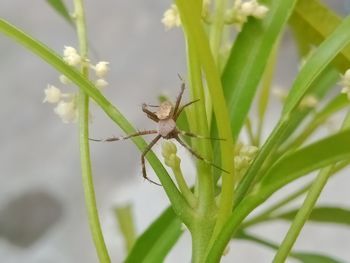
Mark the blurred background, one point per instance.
(42, 211)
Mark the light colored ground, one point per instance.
(39, 154)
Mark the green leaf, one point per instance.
(249, 57)
(155, 243)
(61, 9)
(338, 103)
(304, 257)
(333, 215)
(313, 22)
(319, 154)
(316, 64)
(315, 156)
(126, 224)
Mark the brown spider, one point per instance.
(166, 116)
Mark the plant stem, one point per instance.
(84, 141)
(306, 209)
(267, 213)
(265, 91)
(184, 189)
(200, 126)
(217, 28)
(202, 226)
(302, 216)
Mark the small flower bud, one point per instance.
(172, 161)
(52, 94)
(101, 83)
(249, 150)
(101, 69)
(248, 8)
(169, 151)
(64, 80)
(280, 93)
(309, 101)
(168, 148)
(71, 56)
(171, 18)
(67, 111)
(260, 12)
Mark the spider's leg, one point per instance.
(112, 139)
(179, 97)
(190, 134)
(178, 112)
(148, 148)
(149, 113)
(151, 105)
(197, 155)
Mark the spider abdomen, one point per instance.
(166, 127)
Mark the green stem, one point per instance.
(265, 91)
(267, 213)
(83, 105)
(184, 189)
(302, 216)
(203, 225)
(306, 209)
(217, 28)
(199, 125)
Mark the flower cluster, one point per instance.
(66, 107)
(244, 155)
(345, 83)
(238, 15)
(171, 17)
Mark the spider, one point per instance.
(165, 116)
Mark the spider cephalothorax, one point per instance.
(165, 116)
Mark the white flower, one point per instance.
(171, 18)
(260, 11)
(67, 111)
(101, 69)
(67, 51)
(248, 8)
(240, 12)
(101, 83)
(280, 93)
(244, 156)
(249, 150)
(52, 94)
(64, 80)
(309, 101)
(345, 83)
(71, 56)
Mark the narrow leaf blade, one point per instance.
(334, 215)
(314, 258)
(155, 243)
(248, 58)
(317, 63)
(61, 9)
(319, 154)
